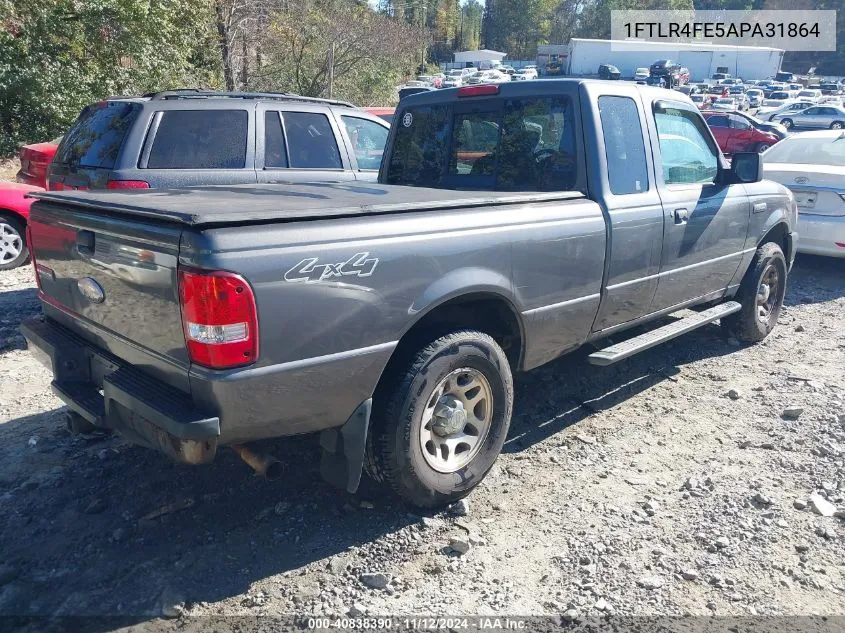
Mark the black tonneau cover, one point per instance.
(286, 202)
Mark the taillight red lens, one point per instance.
(479, 90)
(127, 184)
(219, 318)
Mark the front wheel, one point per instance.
(836, 125)
(762, 147)
(761, 295)
(442, 422)
(13, 250)
(787, 123)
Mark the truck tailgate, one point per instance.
(112, 281)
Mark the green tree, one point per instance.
(56, 56)
(349, 52)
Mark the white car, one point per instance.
(755, 97)
(454, 79)
(526, 74)
(725, 103)
(777, 99)
(812, 95)
(812, 165)
(785, 108)
(489, 77)
(641, 74)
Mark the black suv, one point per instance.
(607, 71)
(185, 138)
(666, 68)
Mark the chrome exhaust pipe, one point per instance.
(265, 465)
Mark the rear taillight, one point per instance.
(478, 91)
(127, 184)
(219, 318)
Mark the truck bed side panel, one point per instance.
(334, 298)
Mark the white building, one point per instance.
(480, 59)
(757, 62)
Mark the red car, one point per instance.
(735, 134)
(35, 158)
(14, 205)
(14, 212)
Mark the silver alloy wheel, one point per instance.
(767, 293)
(836, 125)
(11, 243)
(456, 420)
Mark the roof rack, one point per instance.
(196, 93)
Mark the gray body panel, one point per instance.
(342, 272)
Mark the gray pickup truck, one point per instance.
(510, 225)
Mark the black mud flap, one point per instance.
(343, 449)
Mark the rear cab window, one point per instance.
(199, 139)
(96, 138)
(519, 144)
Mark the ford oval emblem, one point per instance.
(91, 290)
(801, 180)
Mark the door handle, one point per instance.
(681, 216)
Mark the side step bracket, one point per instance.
(620, 351)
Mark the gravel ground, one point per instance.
(696, 478)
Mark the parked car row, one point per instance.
(458, 77)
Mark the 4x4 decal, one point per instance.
(360, 264)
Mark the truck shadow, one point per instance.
(93, 526)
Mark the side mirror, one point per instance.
(746, 167)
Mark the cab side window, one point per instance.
(687, 155)
(623, 144)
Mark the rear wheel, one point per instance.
(761, 295)
(442, 422)
(762, 147)
(13, 250)
(837, 125)
(787, 123)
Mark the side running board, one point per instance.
(614, 353)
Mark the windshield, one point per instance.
(725, 101)
(697, 98)
(779, 95)
(807, 93)
(809, 151)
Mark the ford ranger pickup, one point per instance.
(510, 224)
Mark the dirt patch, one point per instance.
(8, 168)
(692, 479)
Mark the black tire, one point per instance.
(762, 147)
(394, 449)
(837, 125)
(751, 324)
(787, 123)
(12, 229)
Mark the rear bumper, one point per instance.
(821, 234)
(111, 393)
